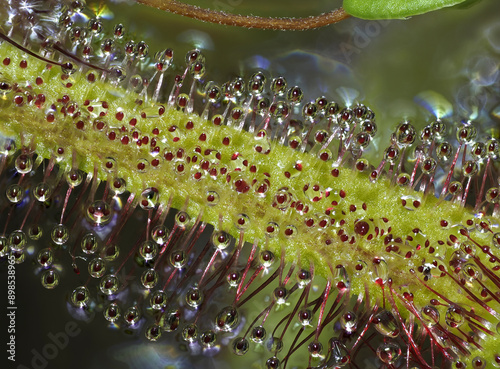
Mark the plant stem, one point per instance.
(219, 17)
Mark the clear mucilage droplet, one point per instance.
(338, 355)
(97, 268)
(50, 279)
(109, 285)
(227, 319)
(60, 234)
(240, 346)
(389, 352)
(112, 312)
(14, 193)
(80, 296)
(99, 212)
(386, 324)
(148, 250)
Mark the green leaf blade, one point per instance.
(394, 9)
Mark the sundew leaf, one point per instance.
(394, 9)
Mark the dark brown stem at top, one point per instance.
(219, 17)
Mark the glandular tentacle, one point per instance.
(302, 219)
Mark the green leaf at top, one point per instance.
(393, 9)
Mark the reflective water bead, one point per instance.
(466, 134)
(274, 344)
(178, 259)
(279, 111)
(19, 256)
(89, 243)
(14, 193)
(295, 95)
(266, 258)
(455, 188)
(220, 240)
(405, 134)
(492, 195)
(349, 322)
(309, 111)
(17, 240)
(256, 83)
(430, 315)
(212, 92)
(305, 316)
(170, 320)
(4, 246)
(212, 198)
(304, 278)
(7, 146)
(118, 31)
(208, 339)
(99, 212)
(109, 285)
(182, 219)
(50, 279)
(59, 234)
(97, 268)
(94, 26)
(74, 177)
(258, 334)
(141, 50)
(278, 86)
(339, 355)
(118, 186)
(242, 221)
(158, 300)
(148, 250)
(273, 363)
(149, 278)
(389, 352)
(112, 312)
(470, 272)
(153, 332)
(227, 319)
(80, 296)
(478, 151)
(35, 232)
(478, 363)
(160, 234)
(190, 333)
(470, 168)
(237, 87)
(369, 127)
(428, 165)
(315, 348)
(149, 198)
(493, 148)
(194, 56)
(197, 70)
(361, 141)
(45, 257)
(42, 192)
(380, 270)
(24, 163)
(496, 240)
(132, 316)
(386, 324)
(454, 316)
(280, 294)
(194, 297)
(240, 346)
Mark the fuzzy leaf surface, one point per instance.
(394, 9)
